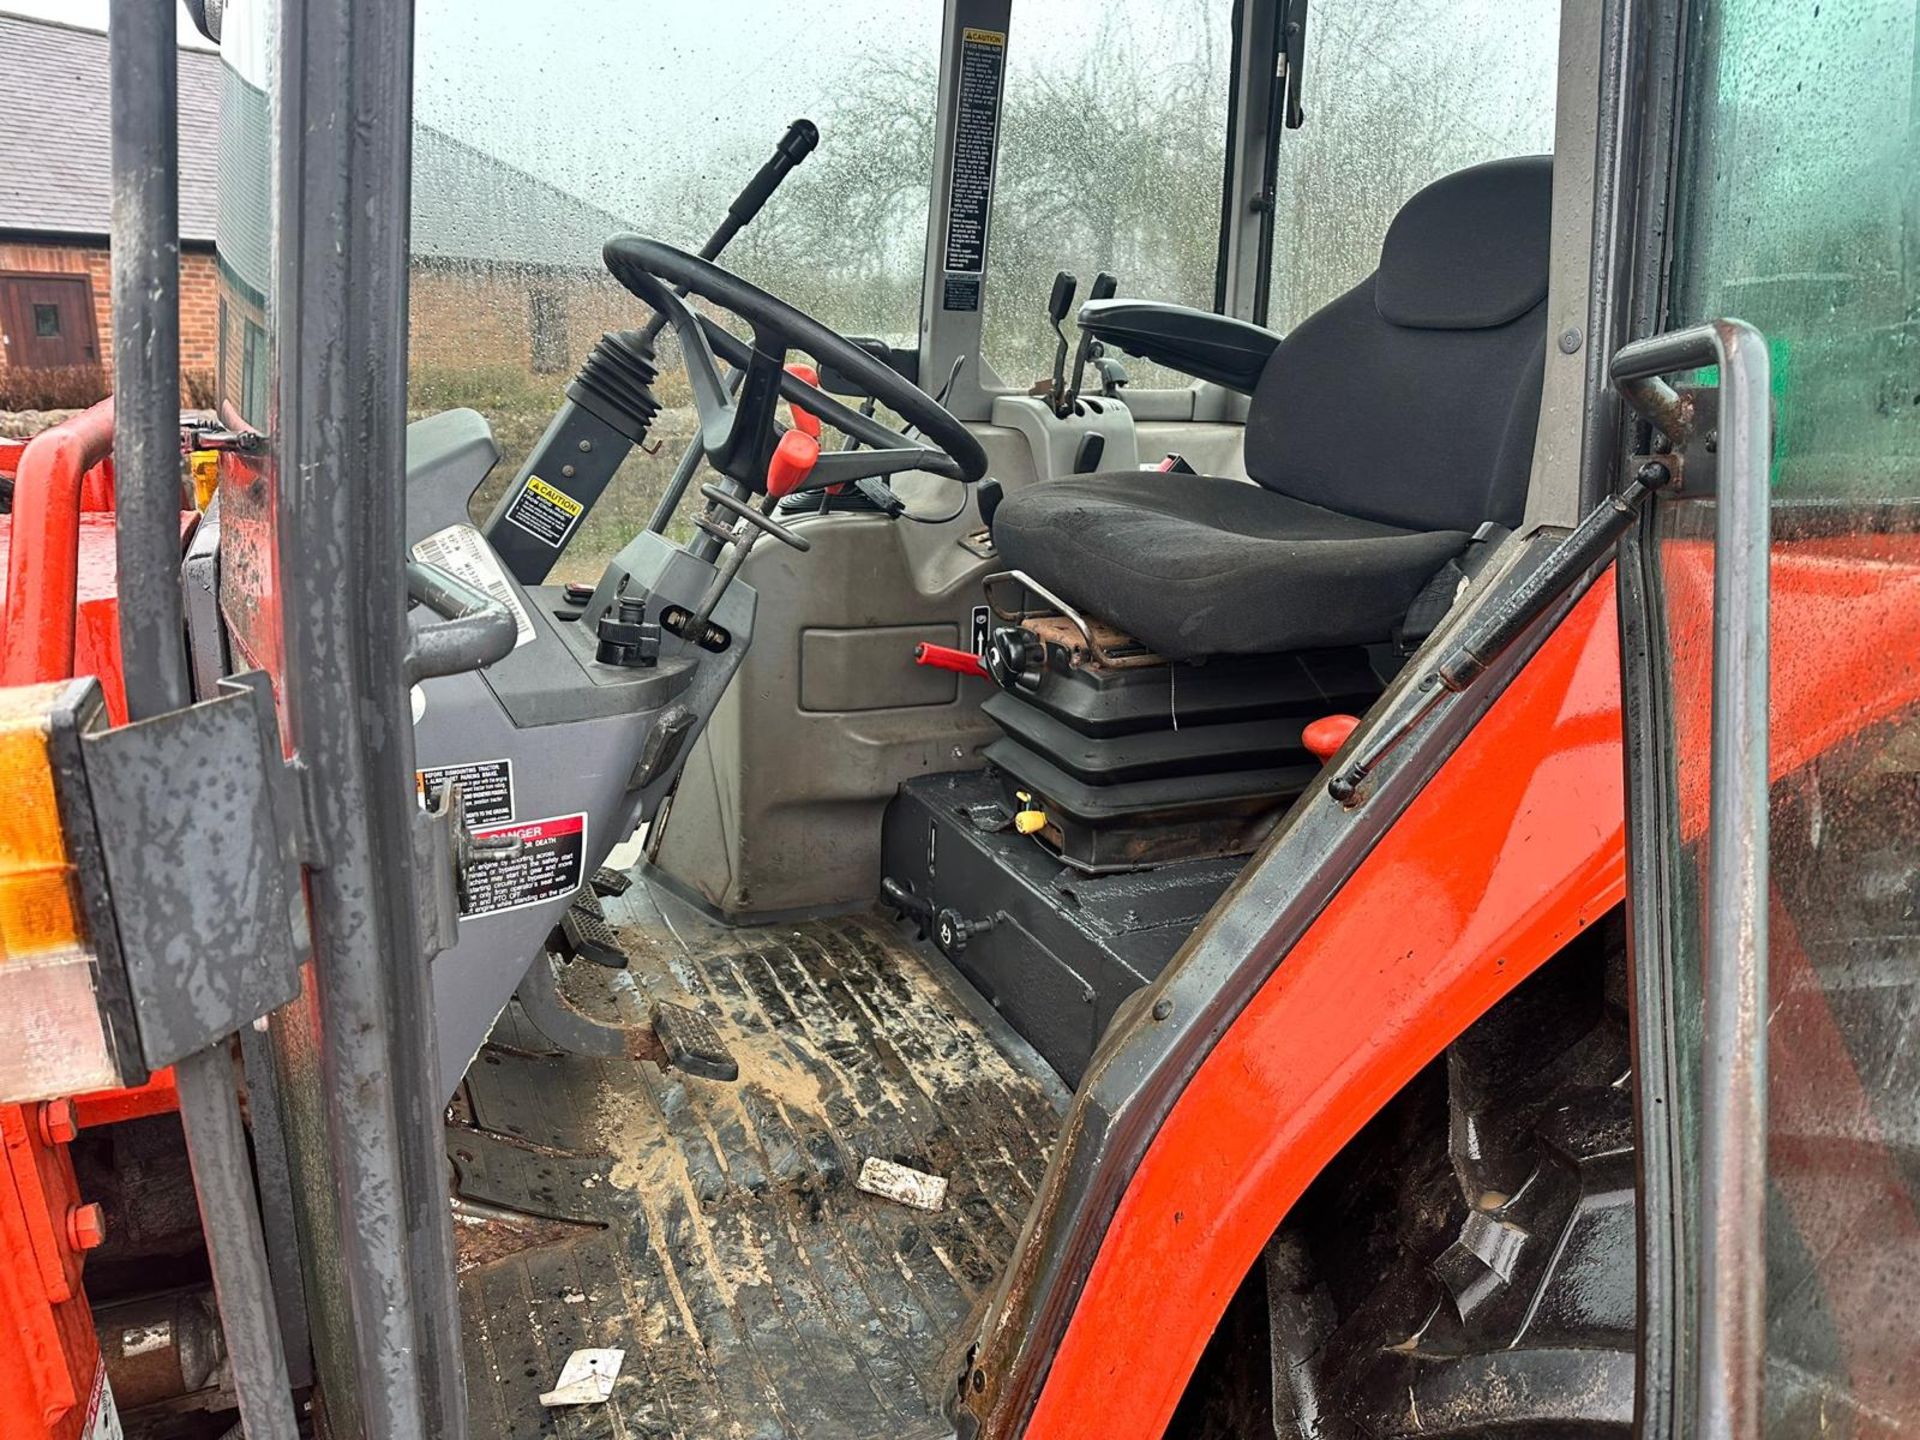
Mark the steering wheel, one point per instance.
(739, 433)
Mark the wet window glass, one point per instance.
(1397, 95)
(539, 131)
(1112, 153)
(1800, 214)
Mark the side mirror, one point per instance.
(206, 16)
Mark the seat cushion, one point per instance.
(1195, 565)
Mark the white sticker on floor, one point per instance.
(899, 1182)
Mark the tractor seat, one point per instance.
(1386, 429)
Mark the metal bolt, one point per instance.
(586, 446)
(1571, 340)
(1653, 474)
(1162, 1009)
(86, 1227)
(567, 471)
(58, 1122)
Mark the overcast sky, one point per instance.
(605, 98)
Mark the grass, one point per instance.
(519, 407)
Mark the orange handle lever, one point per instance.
(793, 461)
(945, 657)
(1325, 736)
(805, 420)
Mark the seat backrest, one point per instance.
(1413, 398)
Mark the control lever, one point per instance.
(945, 657)
(795, 145)
(1058, 303)
(910, 905)
(1104, 286)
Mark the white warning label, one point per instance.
(551, 862)
(486, 789)
(461, 550)
(102, 1420)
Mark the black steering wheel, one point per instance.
(739, 433)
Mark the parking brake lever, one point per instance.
(1104, 286)
(1058, 303)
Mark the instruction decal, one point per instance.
(486, 789)
(976, 135)
(103, 1417)
(551, 864)
(463, 552)
(545, 512)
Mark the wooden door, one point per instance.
(47, 321)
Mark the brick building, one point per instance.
(56, 200)
(506, 273)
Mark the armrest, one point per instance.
(1212, 347)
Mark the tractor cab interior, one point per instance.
(829, 819)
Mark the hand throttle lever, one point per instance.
(1104, 286)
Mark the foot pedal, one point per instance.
(607, 881)
(587, 935)
(692, 1044)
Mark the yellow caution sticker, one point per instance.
(545, 511)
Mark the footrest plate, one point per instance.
(692, 1044)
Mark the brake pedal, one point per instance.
(608, 881)
(587, 935)
(691, 1042)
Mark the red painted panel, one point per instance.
(1516, 845)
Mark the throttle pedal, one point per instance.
(587, 935)
(691, 1042)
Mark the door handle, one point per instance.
(1733, 1147)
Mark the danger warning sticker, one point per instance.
(462, 551)
(550, 864)
(545, 511)
(486, 789)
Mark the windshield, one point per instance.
(539, 131)
(1111, 158)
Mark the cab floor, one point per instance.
(712, 1230)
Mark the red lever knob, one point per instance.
(1325, 736)
(793, 461)
(945, 657)
(805, 420)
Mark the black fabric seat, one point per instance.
(1384, 430)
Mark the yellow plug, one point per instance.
(1029, 820)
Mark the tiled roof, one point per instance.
(55, 161)
(55, 165)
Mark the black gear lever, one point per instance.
(1058, 303)
(1104, 286)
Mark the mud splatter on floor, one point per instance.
(714, 1229)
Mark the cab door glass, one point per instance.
(1800, 213)
(540, 130)
(1112, 157)
(1397, 95)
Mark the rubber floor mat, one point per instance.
(755, 1290)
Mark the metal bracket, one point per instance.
(438, 835)
(1089, 631)
(195, 817)
(1686, 418)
